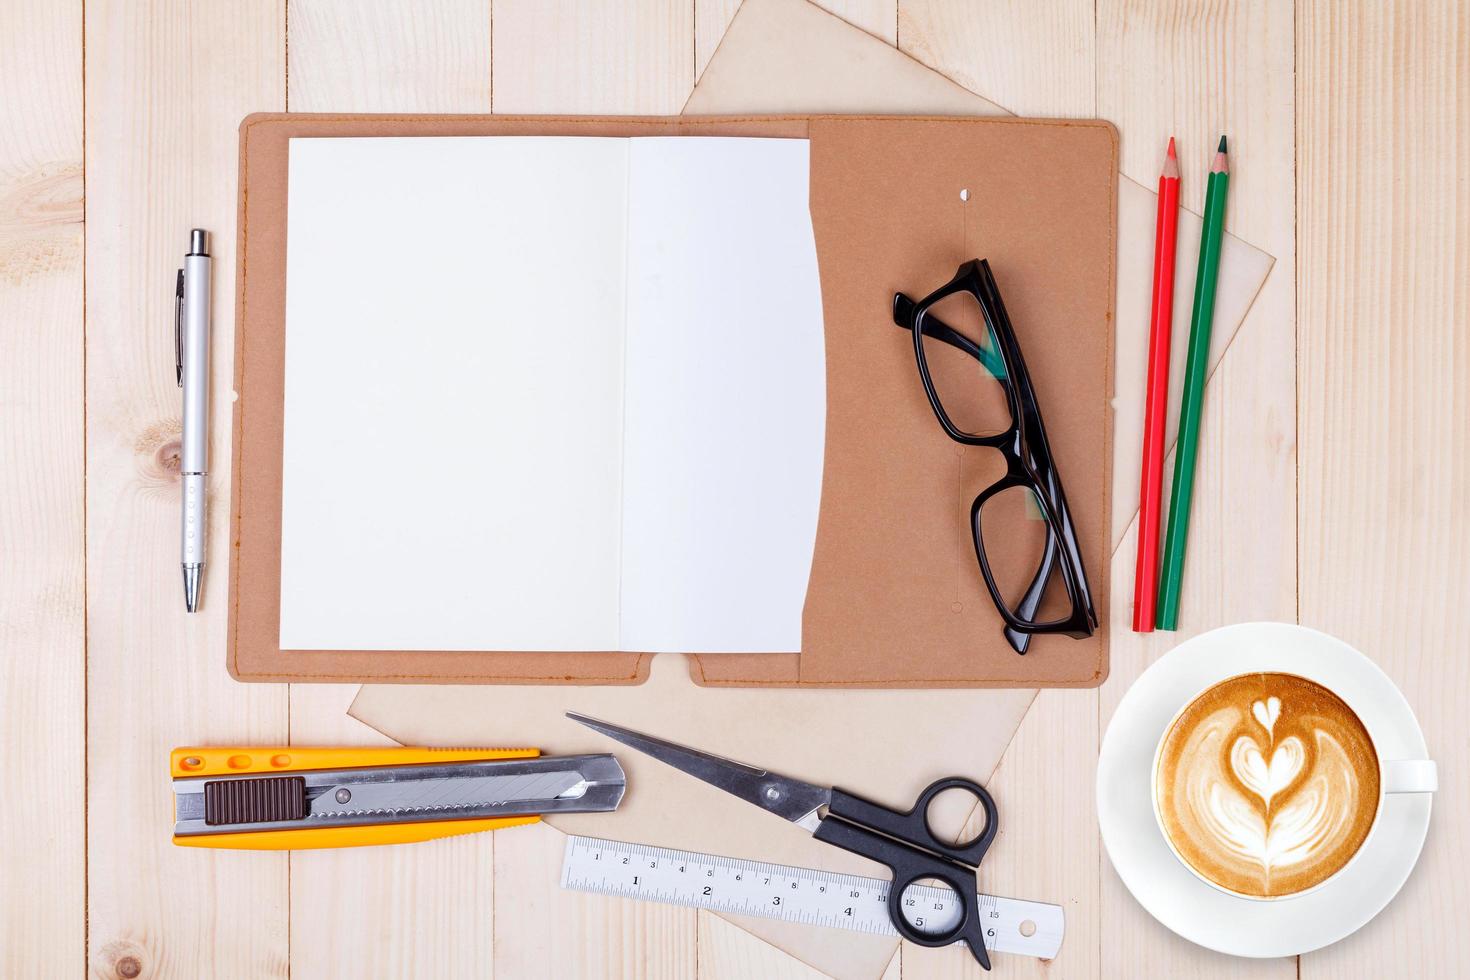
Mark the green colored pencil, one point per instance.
(1186, 451)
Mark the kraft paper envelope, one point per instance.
(886, 745)
(890, 600)
(791, 56)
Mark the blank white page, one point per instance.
(725, 396)
(454, 365)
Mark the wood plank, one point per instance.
(565, 57)
(593, 56)
(1033, 57)
(43, 592)
(878, 17)
(1168, 67)
(1383, 307)
(711, 17)
(1044, 783)
(600, 57)
(166, 87)
(416, 910)
(1131, 942)
(381, 56)
(1048, 769)
(728, 952)
(412, 910)
(544, 930)
(1371, 82)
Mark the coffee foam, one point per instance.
(1267, 784)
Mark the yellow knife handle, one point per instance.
(201, 761)
(264, 760)
(362, 836)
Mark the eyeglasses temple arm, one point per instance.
(989, 357)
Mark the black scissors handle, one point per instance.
(909, 847)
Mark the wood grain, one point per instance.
(1038, 854)
(349, 907)
(1383, 96)
(1033, 57)
(594, 56)
(43, 586)
(711, 17)
(381, 56)
(878, 17)
(415, 911)
(166, 87)
(728, 952)
(1047, 769)
(544, 930)
(1348, 135)
(604, 57)
(1171, 67)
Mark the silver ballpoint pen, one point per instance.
(191, 359)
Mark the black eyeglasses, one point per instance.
(1022, 528)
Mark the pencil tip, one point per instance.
(1221, 148)
(1171, 146)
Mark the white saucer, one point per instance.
(1168, 890)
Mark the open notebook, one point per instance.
(550, 394)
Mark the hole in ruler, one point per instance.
(1028, 928)
(964, 193)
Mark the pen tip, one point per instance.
(192, 575)
(1221, 147)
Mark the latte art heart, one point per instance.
(1266, 712)
(1267, 779)
(1267, 784)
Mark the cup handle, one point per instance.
(1410, 776)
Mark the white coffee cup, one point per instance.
(1394, 776)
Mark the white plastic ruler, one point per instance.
(777, 891)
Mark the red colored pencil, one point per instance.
(1161, 323)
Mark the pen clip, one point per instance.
(179, 329)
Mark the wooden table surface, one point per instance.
(1334, 471)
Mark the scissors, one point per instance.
(903, 841)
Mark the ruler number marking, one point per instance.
(780, 892)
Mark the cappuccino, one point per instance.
(1266, 784)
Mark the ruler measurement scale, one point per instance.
(804, 895)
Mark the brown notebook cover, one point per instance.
(895, 597)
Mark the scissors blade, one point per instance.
(788, 798)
